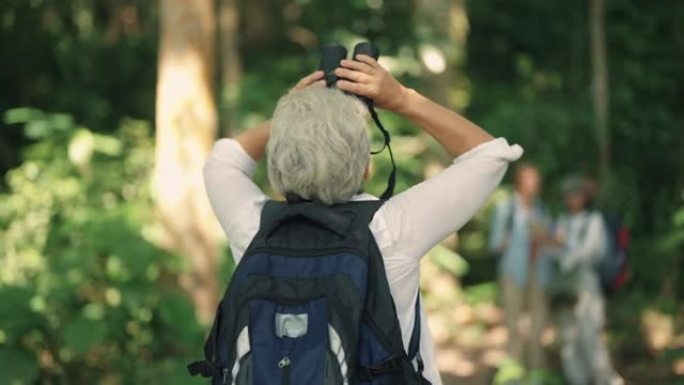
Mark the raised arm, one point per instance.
(368, 78)
(254, 140)
(421, 216)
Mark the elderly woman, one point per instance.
(319, 149)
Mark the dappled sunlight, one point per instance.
(678, 367)
(488, 313)
(469, 336)
(497, 336)
(453, 361)
(658, 329)
(492, 357)
(433, 58)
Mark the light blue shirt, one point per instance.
(515, 257)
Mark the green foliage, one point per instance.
(534, 83)
(84, 292)
(510, 372)
(448, 260)
(92, 59)
(481, 293)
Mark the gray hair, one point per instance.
(318, 147)
(574, 184)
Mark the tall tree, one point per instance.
(231, 69)
(599, 63)
(186, 127)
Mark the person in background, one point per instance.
(583, 239)
(520, 227)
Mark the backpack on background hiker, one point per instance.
(613, 269)
(310, 304)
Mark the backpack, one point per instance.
(310, 304)
(613, 270)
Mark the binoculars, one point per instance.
(332, 54)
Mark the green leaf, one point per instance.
(174, 372)
(108, 145)
(61, 122)
(678, 218)
(448, 260)
(178, 317)
(22, 115)
(82, 334)
(37, 129)
(17, 367)
(16, 316)
(509, 371)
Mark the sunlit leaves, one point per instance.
(80, 282)
(39, 124)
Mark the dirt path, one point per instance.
(470, 340)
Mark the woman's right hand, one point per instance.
(366, 77)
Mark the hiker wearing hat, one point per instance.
(577, 296)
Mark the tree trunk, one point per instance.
(444, 26)
(186, 128)
(599, 62)
(231, 68)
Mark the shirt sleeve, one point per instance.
(236, 200)
(423, 215)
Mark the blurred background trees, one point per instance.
(107, 249)
(186, 126)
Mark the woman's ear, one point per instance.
(366, 172)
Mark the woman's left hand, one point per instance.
(314, 78)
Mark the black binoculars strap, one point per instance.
(392, 179)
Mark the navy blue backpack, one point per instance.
(309, 304)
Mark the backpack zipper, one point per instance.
(225, 376)
(284, 364)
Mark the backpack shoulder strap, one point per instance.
(414, 343)
(510, 215)
(364, 210)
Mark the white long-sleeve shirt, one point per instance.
(405, 227)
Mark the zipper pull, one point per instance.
(225, 376)
(284, 362)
